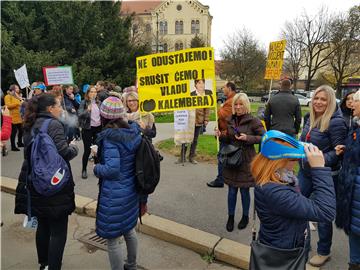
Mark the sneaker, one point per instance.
(15, 149)
(319, 260)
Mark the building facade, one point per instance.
(168, 25)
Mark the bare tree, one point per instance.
(244, 60)
(345, 46)
(315, 42)
(294, 50)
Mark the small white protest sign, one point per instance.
(22, 76)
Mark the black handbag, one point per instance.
(230, 156)
(264, 257)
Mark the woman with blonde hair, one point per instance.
(146, 121)
(283, 211)
(147, 124)
(325, 128)
(243, 131)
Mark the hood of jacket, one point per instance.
(127, 137)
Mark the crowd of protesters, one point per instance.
(326, 187)
(108, 118)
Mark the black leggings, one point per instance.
(88, 137)
(50, 241)
(16, 128)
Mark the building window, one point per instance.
(163, 28)
(179, 46)
(179, 7)
(195, 27)
(148, 27)
(179, 27)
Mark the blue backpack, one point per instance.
(49, 171)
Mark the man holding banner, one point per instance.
(223, 114)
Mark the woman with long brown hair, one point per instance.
(90, 124)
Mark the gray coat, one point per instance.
(283, 113)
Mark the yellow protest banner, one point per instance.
(275, 60)
(178, 80)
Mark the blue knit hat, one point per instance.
(112, 108)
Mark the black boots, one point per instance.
(230, 223)
(243, 222)
(84, 174)
(354, 266)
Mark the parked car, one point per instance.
(304, 101)
(301, 92)
(265, 98)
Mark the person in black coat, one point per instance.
(346, 107)
(283, 111)
(52, 212)
(348, 197)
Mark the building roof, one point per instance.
(139, 7)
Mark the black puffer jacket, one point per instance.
(63, 202)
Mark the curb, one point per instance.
(223, 249)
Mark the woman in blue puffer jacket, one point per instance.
(118, 202)
(325, 128)
(348, 198)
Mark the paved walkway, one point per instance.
(183, 196)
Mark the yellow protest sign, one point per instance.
(178, 80)
(275, 60)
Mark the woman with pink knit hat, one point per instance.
(118, 201)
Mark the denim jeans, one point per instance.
(115, 252)
(219, 177)
(354, 244)
(325, 229)
(245, 200)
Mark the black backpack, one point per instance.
(147, 167)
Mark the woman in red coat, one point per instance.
(5, 131)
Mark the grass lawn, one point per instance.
(206, 149)
(168, 117)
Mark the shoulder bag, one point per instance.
(231, 156)
(264, 257)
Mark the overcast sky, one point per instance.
(264, 18)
